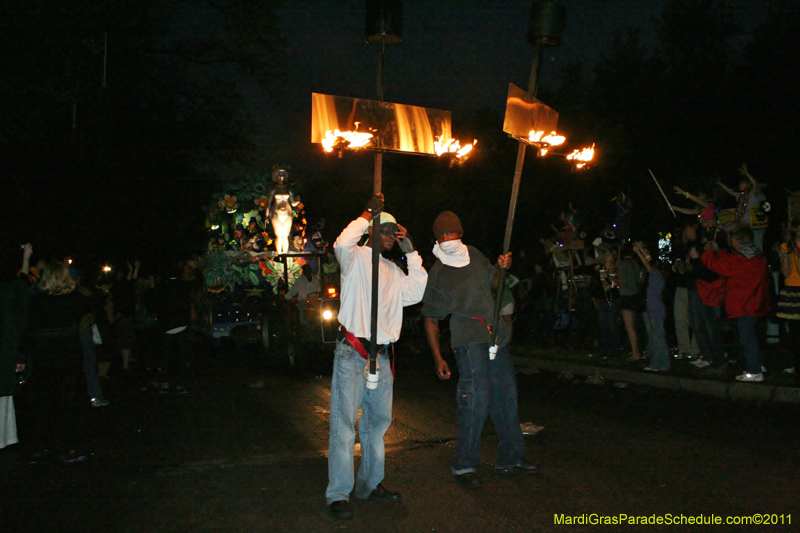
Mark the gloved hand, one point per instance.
(403, 241)
(374, 205)
(406, 245)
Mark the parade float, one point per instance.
(258, 245)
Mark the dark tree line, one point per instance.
(112, 112)
(708, 95)
(130, 87)
(161, 99)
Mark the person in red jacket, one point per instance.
(747, 296)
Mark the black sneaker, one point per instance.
(382, 494)
(519, 469)
(341, 510)
(469, 480)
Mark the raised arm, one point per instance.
(346, 242)
(644, 257)
(414, 283)
(27, 251)
(744, 172)
(689, 196)
(686, 210)
(727, 189)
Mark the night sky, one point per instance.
(457, 55)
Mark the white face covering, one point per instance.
(452, 253)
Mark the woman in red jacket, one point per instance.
(747, 296)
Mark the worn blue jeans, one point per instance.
(348, 393)
(486, 388)
(748, 338)
(657, 347)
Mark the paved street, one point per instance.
(245, 451)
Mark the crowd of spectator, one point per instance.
(705, 290)
(67, 336)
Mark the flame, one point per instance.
(552, 139)
(585, 155)
(452, 146)
(345, 139)
(414, 130)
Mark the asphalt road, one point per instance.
(245, 450)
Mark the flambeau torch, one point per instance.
(384, 26)
(545, 28)
(341, 123)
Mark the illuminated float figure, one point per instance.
(281, 204)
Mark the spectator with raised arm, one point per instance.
(747, 296)
(655, 312)
(748, 197)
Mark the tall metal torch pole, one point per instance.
(546, 26)
(377, 177)
(383, 27)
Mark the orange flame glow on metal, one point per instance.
(345, 139)
(583, 156)
(452, 146)
(552, 139)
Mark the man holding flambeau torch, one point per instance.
(460, 286)
(349, 390)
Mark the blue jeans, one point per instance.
(608, 323)
(695, 318)
(348, 393)
(486, 388)
(90, 366)
(748, 338)
(709, 334)
(657, 347)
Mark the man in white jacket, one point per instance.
(348, 387)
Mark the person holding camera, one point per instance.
(349, 390)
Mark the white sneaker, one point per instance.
(750, 377)
(790, 370)
(701, 364)
(697, 361)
